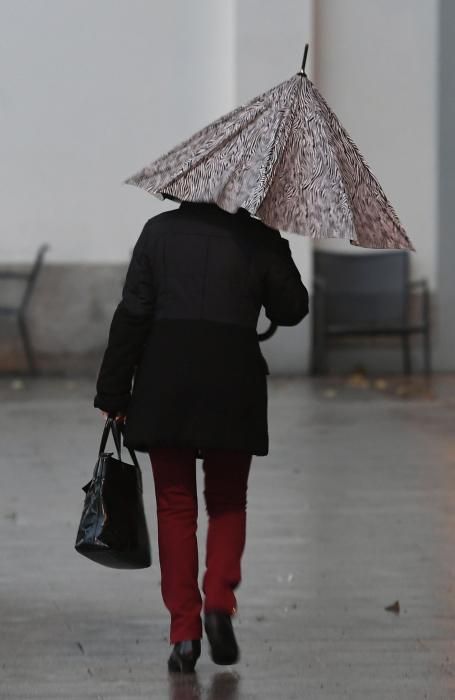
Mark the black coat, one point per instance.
(183, 359)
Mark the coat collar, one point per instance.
(188, 206)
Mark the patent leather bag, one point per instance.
(113, 529)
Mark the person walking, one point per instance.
(184, 373)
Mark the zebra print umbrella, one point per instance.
(285, 158)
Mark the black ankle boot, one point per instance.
(223, 645)
(184, 656)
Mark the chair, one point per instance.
(19, 311)
(367, 295)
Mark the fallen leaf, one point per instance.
(359, 380)
(380, 384)
(395, 607)
(330, 393)
(17, 384)
(12, 515)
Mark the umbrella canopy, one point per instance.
(284, 157)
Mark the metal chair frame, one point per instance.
(322, 332)
(19, 311)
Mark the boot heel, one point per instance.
(224, 649)
(179, 665)
(187, 666)
(184, 656)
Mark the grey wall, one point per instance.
(69, 317)
(445, 310)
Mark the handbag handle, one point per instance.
(112, 425)
(118, 430)
(104, 437)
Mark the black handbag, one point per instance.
(113, 528)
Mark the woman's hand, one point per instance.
(118, 417)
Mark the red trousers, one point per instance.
(225, 488)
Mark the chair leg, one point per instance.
(324, 365)
(319, 357)
(407, 366)
(427, 352)
(27, 346)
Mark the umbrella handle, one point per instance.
(265, 335)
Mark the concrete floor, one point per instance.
(352, 510)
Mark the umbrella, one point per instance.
(284, 157)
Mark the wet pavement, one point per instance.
(351, 511)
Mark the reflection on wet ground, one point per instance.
(222, 686)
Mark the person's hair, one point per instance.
(170, 196)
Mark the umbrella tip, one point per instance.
(305, 54)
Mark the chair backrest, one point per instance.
(33, 274)
(364, 288)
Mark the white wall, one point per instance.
(90, 92)
(376, 64)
